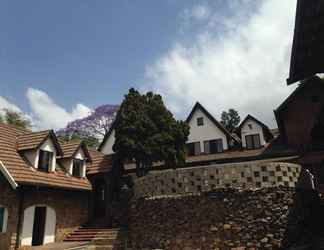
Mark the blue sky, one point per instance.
(63, 58)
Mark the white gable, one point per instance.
(208, 131)
(107, 148)
(251, 127)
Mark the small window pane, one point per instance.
(77, 168)
(207, 149)
(200, 121)
(45, 159)
(256, 141)
(197, 148)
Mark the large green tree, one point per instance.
(16, 119)
(147, 132)
(230, 119)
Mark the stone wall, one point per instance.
(223, 219)
(246, 175)
(9, 200)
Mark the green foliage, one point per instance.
(147, 132)
(90, 141)
(1, 118)
(16, 119)
(230, 120)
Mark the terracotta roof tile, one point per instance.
(100, 163)
(69, 148)
(25, 174)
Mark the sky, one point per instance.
(61, 59)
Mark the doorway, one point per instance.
(39, 226)
(99, 198)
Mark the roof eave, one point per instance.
(8, 176)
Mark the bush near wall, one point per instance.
(222, 219)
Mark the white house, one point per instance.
(106, 146)
(253, 133)
(207, 135)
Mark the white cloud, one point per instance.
(242, 61)
(5, 104)
(47, 114)
(198, 12)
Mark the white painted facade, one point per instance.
(3, 227)
(107, 148)
(28, 224)
(33, 155)
(208, 131)
(68, 163)
(250, 127)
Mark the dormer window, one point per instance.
(200, 121)
(45, 160)
(77, 167)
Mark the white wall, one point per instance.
(33, 155)
(107, 147)
(256, 129)
(50, 225)
(27, 229)
(68, 163)
(209, 131)
(28, 224)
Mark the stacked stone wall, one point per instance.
(247, 175)
(225, 219)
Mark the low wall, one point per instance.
(194, 180)
(224, 219)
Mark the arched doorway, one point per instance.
(38, 226)
(99, 198)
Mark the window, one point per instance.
(45, 160)
(252, 141)
(3, 219)
(200, 121)
(213, 146)
(250, 126)
(77, 167)
(193, 148)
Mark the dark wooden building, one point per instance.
(300, 122)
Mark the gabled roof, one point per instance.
(301, 87)
(33, 140)
(308, 47)
(266, 130)
(23, 173)
(101, 163)
(107, 135)
(198, 106)
(71, 148)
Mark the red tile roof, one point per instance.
(32, 140)
(100, 163)
(25, 174)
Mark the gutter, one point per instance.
(8, 176)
